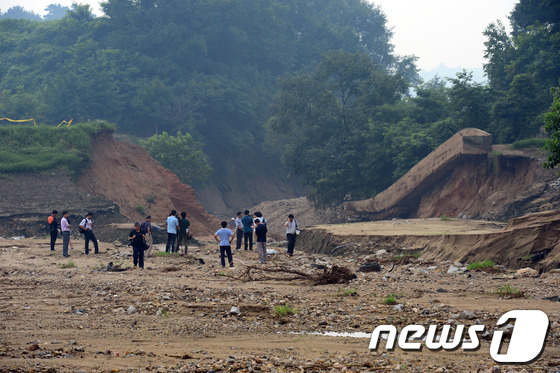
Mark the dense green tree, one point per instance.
(181, 154)
(17, 12)
(552, 127)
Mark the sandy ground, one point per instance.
(175, 314)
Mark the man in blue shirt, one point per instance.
(224, 236)
(248, 230)
(172, 225)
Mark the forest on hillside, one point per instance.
(311, 89)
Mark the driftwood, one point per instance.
(333, 275)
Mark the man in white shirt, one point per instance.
(87, 225)
(291, 228)
(172, 225)
(239, 230)
(65, 229)
(224, 236)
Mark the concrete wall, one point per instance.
(405, 193)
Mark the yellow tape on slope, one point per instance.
(20, 121)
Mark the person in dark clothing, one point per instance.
(248, 230)
(182, 235)
(53, 223)
(137, 238)
(260, 231)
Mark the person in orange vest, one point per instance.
(53, 227)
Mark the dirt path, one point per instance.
(175, 314)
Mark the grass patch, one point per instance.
(347, 292)
(151, 198)
(527, 257)
(445, 218)
(390, 299)
(46, 148)
(164, 253)
(529, 143)
(284, 310)
(478, 265)
(70, 264)
(509, 291)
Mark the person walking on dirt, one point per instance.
(172, 225)
(238, 231)
(146, 228)
(65, 229)
(260, 231)
(53, 227)
(87, 226)
(247, 222)
(184, 225)
(137, 239)
(291, 233)
(224, 236)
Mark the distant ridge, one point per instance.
(444, 71)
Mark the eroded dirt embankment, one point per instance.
(126, 174)
(466, 241)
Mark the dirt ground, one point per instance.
(174, 316)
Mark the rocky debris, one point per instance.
(527, 272)
(204, 304)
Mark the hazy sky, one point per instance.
(436, 31)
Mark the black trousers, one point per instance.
(171, 239)
(239, 238)
(89, 236)
(138, 256)
(223, 251)
(291, 243)
(248, 239)
(53, 239)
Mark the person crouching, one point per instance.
(224, 236)
(138, 245)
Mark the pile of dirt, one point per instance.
(305, 212)
(126, 174)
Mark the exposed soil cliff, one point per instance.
(126, 174)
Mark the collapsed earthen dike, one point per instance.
(402, 198)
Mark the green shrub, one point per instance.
(151, 198)
(70, 264)
(284, 310)
(390, 299)
(509, 291)
(477, 265)
(529, 143)
(140, 209)
(347, 292)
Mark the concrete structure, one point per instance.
(401, 198)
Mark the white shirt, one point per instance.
(238, 223)
(291, 227)
(87, 223)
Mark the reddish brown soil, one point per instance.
(126, 174)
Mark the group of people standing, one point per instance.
(85, 227)
(178, 234)
(245, 227)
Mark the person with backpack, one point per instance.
(136, 237)
(146, 228)
(86, 227)
(53, 228)
(292, 228)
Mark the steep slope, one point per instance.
(466, 181)
(126, 174)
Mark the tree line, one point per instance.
(248, 82)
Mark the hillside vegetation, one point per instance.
(45, 148)
(307, 89)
